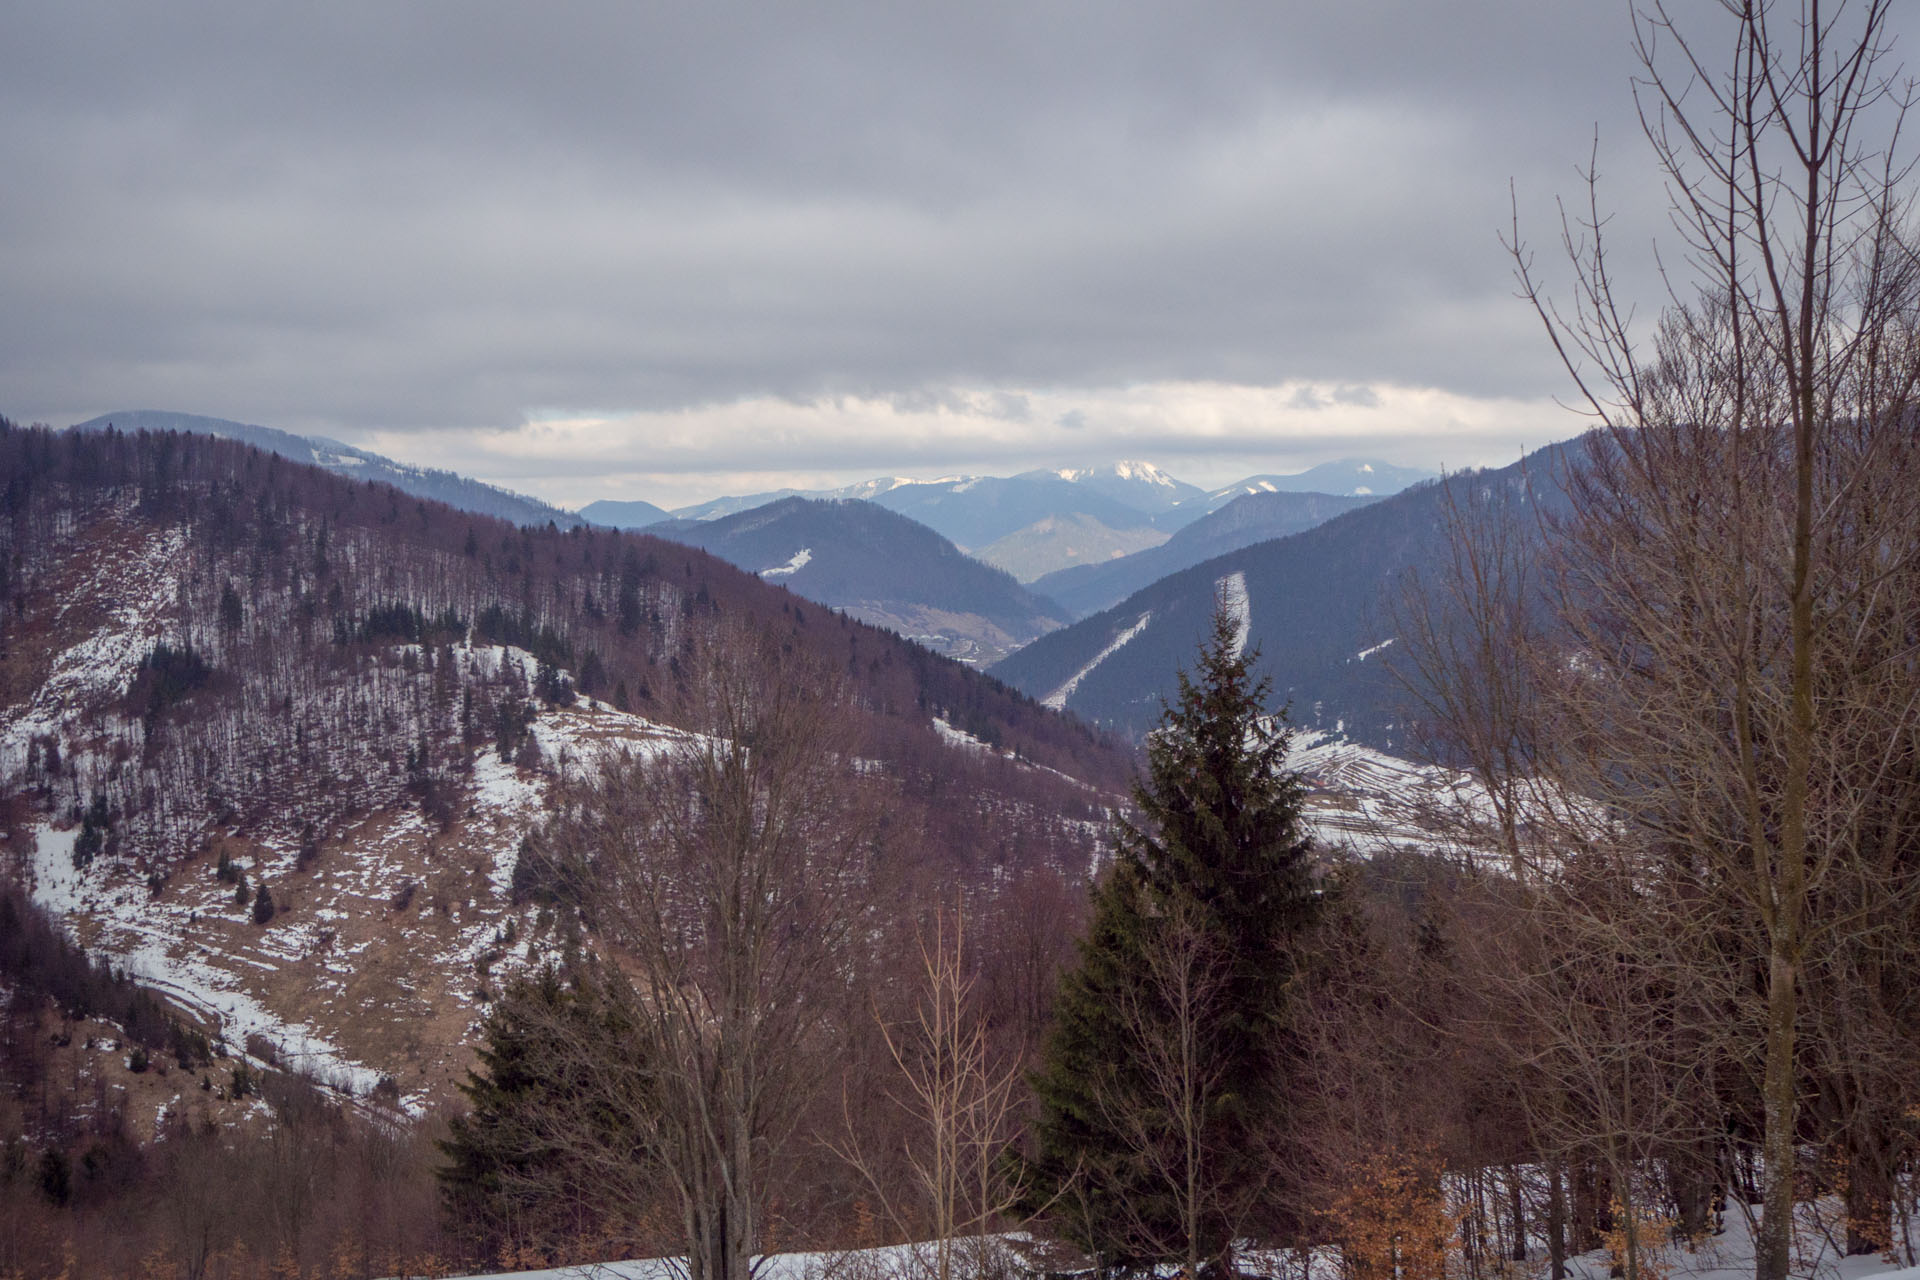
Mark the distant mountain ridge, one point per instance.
(1350, 477)
(1250, 518)
(1313, 603)
(455, 490)
(880, 567)
(1036, 551)
(1137, 484)
(1050, 520)
(635, 514)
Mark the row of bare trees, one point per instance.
(1685, 668)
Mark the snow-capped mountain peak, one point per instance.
(1140, 472)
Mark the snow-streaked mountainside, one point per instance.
(1139, 485)
(1317, 603)
(393, 911)
(882, 568)
(441, 486)
(217, 657)
(1255, 517)
(364, 704)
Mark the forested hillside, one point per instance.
(274, 739)
(880, 567)
(422, 482)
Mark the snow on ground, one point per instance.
(1366, 653)
(887, 1262)
(226, 980)
(58, 885)
(1058, 698)
(503, 790)
(490, 660)
(1728, 1256)
(800, 560)
(343, 962)
(574, 740)
(153, 958)
(138, 587)
(1232, 591)
(1368, 801)
(958, 737)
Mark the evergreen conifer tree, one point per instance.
(1192, 941)
(536, 1161)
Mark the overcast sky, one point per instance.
(672, 250)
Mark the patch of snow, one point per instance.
(208, 991)
(140, 588)
(958, 737)
(1145, 472)
(1058, 698)
(499, 788)
(1366, 653)
(57, 884)
(1368, 801)
(795, 565)
(1361, 491)
(1232, 590)
(886, 1260)
(1366, 468)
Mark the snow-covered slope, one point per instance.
(387, 938)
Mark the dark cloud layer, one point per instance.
(365, 216)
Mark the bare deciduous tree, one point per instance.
(1466, 635)
(730, 875)
(962, 1107)
(1752, 495)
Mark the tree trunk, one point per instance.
(1591, 1208)
(1690, 1176)
(1518, 1209)
(1869, 1198)
(1773, 1246)
(1556, 1223)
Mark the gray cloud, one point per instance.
(360, 217)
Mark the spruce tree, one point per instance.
(1214, 876)
(538, 1159)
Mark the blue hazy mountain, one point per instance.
(441, 486)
